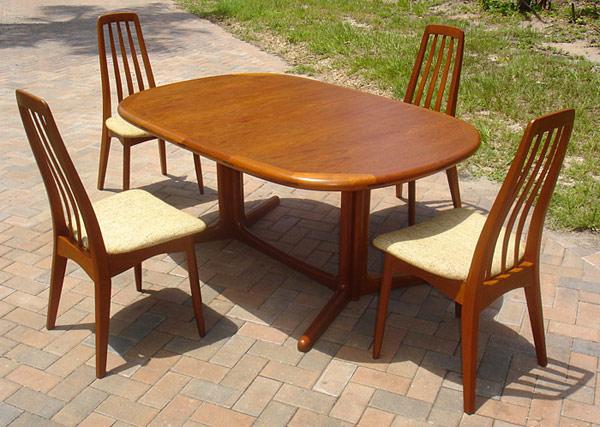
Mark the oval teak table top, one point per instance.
(301, 132)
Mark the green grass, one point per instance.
(508, 75)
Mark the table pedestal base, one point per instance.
(352, 279)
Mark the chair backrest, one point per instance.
(441, 52)
(520, 208)
(121, 43)
(69, 203)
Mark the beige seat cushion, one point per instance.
(135, 219)
(118, 125)
(445, 244)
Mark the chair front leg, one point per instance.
(384, 299)
(57, 276)
(469, 340)
(137, 272)
(195, 287)
(198, 169)
(412, 203)
(126, 165)
(102, 302)
(103, 161)
(452, 175)
(399, 188)
(536, 317)
(162, 154)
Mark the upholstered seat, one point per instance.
(121, 231)
(119, 126)
(135, 219)
(444, 245)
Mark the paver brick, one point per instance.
(335, 377)
(257, 396)
(275, 414)
(290, 374)
(33, 378)
(210, 392)
(311, 400)
(352, 403)
(177, 412)
(8, 413)
(305, 417)
(164, 390)
(80, 407)
(127, 411)
(401, 405)
(375, 418)
(35, 402)
(214, 415)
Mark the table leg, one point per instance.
(354, 240)
(352, 280)
(232, 215)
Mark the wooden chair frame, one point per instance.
(523, 200)
(428, 88)
(122, 47)
(71, 210)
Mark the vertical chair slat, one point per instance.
(425, 75)
(115, 61)
(524, 187)
(61, 182)
(125, 60)
(144, 52)
(436, 73)
(442, 87)
(535, 192)
(136, 65)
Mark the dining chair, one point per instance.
(120, 34)
(108, 237)
(434, 84)
(473, 258)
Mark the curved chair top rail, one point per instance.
(439, 59)
(122, 53)
(520, 207)
(70, 205)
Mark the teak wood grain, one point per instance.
(302, 133)
(305, 134)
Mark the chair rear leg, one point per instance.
(103, 161)
(195, 287)
(57, 276)
(162, 154)
(384, 299)
(536, 317)
(137, 271)
(452, 175)
(469, 340)
(399, 191)
(457, 310)
(102, 302)
(126, 165)
(412, 203)
(198, 168)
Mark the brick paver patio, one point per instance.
(247, 369)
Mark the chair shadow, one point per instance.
(157, 315)
(75, 27)
(551, 382)
(180, 191)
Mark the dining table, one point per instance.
(307, 134)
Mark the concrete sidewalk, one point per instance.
(247, 369)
